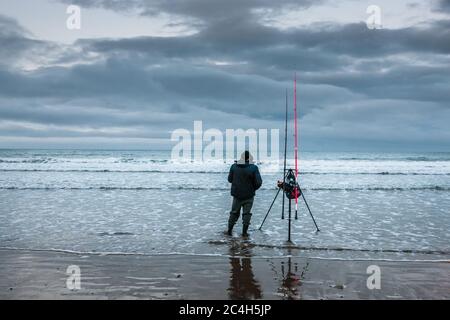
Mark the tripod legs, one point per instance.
(309, 210)
(290, 172)
(271, 205)
(274, 199)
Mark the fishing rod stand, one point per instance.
(291, 190)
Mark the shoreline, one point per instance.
(33, 274)
(213, 255)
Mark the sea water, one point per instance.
(367, 205)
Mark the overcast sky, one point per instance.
(136, 70)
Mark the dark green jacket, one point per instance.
(245, 180)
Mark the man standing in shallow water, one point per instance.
(245, 180)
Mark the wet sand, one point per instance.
(28, 274)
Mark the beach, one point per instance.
(139, 225)
(28, 274)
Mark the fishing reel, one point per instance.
(290, 186)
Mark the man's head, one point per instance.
(246, 157)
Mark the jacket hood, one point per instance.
(242, 161)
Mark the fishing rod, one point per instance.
(290, 184)
(285, 151)
(295, 143)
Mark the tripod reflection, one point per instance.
(290, 279)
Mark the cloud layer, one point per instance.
(358, 88)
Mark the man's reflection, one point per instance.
(243, 284)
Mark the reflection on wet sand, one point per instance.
(290, 281)
(243, 284)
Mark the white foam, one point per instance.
(259, 257)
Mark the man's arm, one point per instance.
(230, 174)
(257, 180)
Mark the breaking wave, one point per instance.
(433, 188)
(222, 172)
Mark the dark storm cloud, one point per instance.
(209, 11)
(102, 79)
(120, 84)
(377, 85)
(420, 83)
(10, 27)
(233, 25)
(236, 39)
(178, 75)
(174, 87)
(359, 41)
(443, 6)
(15, 41)
(219, 10)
